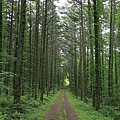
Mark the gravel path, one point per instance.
(61, 110)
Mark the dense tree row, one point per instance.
(30, 58)
(92, 50)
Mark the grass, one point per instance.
(36, 110)
(61, 112)
(85, 111)
(29, 109)
(40, 112)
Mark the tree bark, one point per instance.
(0, 39)
(35, 65)
(10, 49)
(18, 64)
(43, 50)
(96, 97)
(110, 69)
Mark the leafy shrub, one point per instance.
(110, 111)
(3, 116)
(28, 109)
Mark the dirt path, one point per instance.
(61, 110)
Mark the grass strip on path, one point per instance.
(61, 112)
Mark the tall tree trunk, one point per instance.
(103, 74)
(47, 65)
(0, 40)
(81, 67)
(30, 52)
(43, 49)
(18, 64)
(110, 69)
(84, 54)
(96, 98)
(10, 49)
(35, 65)
(75, 69)
(91, 41)
(16, 44)
(51, 69)
(55, 66)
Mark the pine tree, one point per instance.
(19, 55)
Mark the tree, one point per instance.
(110, 74)
(43, 34)
(96, 97)
(10, 46)
(35, 64)
(0, 35)
(84, 53)
(0, 39)
(19, 55)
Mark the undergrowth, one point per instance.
(28, 109)
(85, 111)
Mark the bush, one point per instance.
(110, 111)
(28, 109)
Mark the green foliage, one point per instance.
(3, 116)
(74, 13)
(85, 111)
(118, 25)
(110, 111)
(28, 109)
(10, 111)
(39, 112)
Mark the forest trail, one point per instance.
(61, 109)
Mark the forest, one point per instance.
(59, 61)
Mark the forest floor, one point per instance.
(61, 109)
